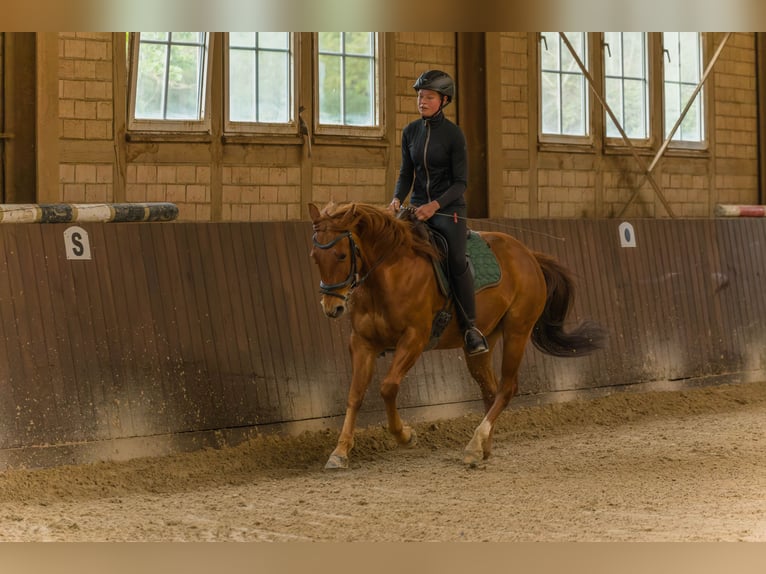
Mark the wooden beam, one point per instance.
(472, 115)
(216, 127)
(760, 75)
(47, 117)
(494, 150)
(119, 115)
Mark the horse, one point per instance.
(380, 269)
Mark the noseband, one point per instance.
(352, 280)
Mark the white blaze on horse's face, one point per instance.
(335, 255)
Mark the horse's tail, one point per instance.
(548, 334)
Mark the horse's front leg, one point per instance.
(363, 365)
(406, 354)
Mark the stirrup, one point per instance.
(474, 342)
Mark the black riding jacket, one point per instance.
(434, 156)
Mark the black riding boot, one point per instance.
(465, 300)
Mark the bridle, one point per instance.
(352, 280)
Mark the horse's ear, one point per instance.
(314, 212)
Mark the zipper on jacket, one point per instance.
(425, 162)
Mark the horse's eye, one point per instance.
(340, 256)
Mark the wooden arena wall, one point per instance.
(178, 329)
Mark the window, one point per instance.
(626, 73)
(682, 73)
(259, 78)
(348, 82)
(168, 80)
(647, 80)
(263, 80)
(564, 90)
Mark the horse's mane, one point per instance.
(379, 230)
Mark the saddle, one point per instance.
(484, 267)
(485, 270)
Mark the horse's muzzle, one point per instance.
(333, 307)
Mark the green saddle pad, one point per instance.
(484, 266)
(486, 269)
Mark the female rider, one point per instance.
(435, 166)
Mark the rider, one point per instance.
(434, 158)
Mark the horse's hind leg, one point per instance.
(514, 341)
(482, 371)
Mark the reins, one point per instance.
(503, 226)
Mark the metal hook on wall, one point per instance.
(544, 40)
(304, 128)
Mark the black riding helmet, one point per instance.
(438, 81)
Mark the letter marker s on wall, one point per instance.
(76, 243)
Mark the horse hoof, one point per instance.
(413, 442)
(335, 462)
(472, 458)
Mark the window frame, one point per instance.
(598, 115)
(291, 127)
(373, 132)
(203, 125)
(704, 95)
(581, 141)
(616, 142)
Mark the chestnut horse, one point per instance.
(379, 269)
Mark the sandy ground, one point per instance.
(670, 466)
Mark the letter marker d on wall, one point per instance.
(76, 243)
(627, 235)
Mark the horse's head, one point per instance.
(336, 254)
(350, 241)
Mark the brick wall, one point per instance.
(341, 184)
(417, 52)
(86, 182)
(85, 86)
(515, 124)
(261, 193)
(86, 112)
(188, 186)
(736, 118)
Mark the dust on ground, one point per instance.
(663, 466)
